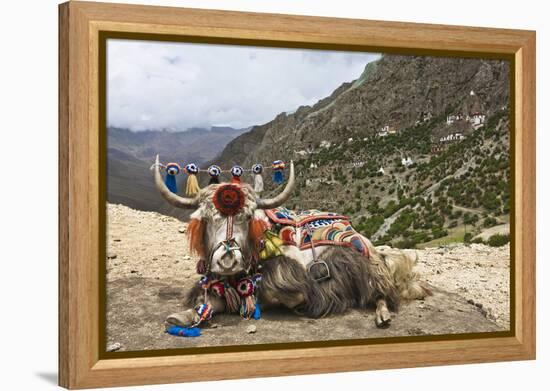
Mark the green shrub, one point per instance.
(439, 232)
(406, 243)
(371, 225)
(402, 222)
(489, 222)
(498, 240)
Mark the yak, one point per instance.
(246, 263)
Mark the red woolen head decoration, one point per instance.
(229, 199)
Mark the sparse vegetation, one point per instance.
(498, 240)
(430, 201)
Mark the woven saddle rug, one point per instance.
(327, 229)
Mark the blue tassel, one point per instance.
(170, 182)
(278, 177)
(184, 331)
(257, 312)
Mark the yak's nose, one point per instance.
(227, 261)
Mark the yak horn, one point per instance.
(279, 199)
(174, 199)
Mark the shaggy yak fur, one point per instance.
(356, 281)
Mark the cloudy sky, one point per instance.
(159, 85)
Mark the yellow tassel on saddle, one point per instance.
(272, 244)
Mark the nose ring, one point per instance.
(227, 244)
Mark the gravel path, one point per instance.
(149, 268)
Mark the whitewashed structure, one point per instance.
(386, 130)
(451, 119)
(452, 137)
(406, 162)
(477, 120)
(325, 144)
(301, 152)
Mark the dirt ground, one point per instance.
(149, 268)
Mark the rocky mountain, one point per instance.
(394, 91)
(416, 150)
(130, 154)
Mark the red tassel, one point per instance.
(195, 232)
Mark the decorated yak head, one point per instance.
(226, 227)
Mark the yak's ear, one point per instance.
(195, 232)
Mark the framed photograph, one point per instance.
(249, 195)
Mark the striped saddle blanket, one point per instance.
(301, 228)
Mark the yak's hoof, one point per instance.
(383, 319)
(182, 319)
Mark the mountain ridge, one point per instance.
(386, 148)
(130, 155)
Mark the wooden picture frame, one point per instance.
(81, 362)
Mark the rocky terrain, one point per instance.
(149, 268)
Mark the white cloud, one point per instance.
(159, 85)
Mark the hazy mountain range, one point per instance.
(130, 154)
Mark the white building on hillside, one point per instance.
(406, 162)
(451, 138)
(301, 152)
(325, 144)
(477, 120)
(451, 119)
(386, 130)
